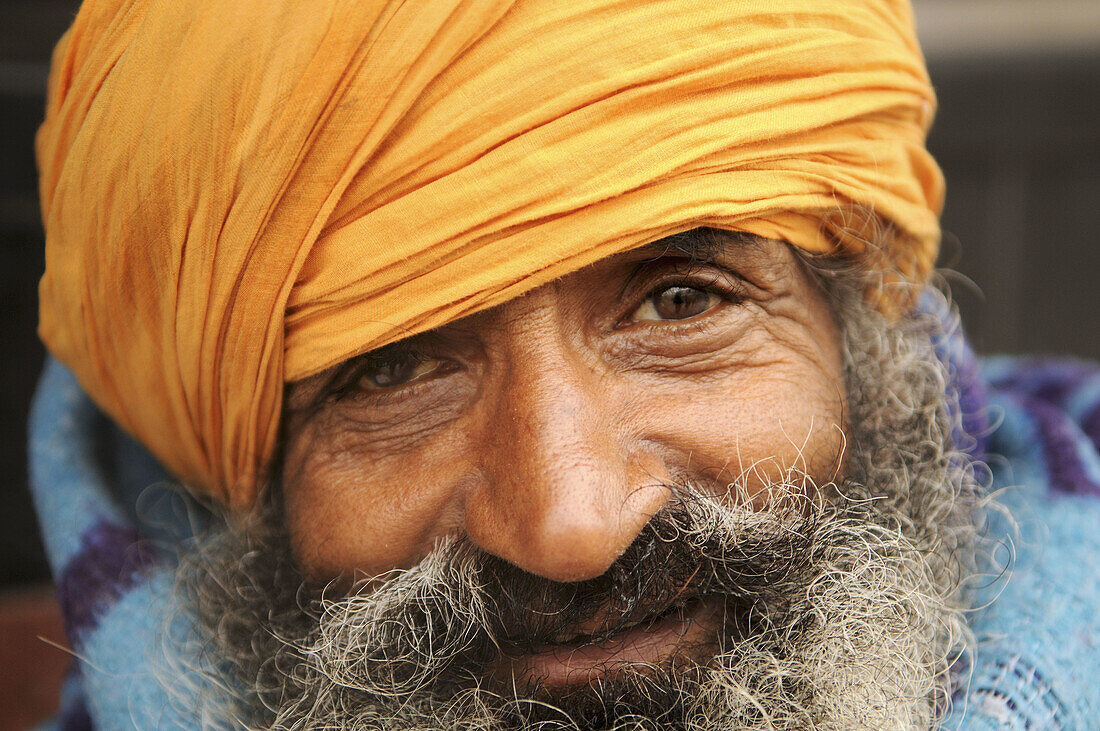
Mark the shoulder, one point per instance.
(1039, 639)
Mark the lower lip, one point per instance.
(647, 644)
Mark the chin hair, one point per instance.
(843, 613)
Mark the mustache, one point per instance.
(684, 555)
(443, 623)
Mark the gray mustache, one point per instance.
(678, 558)
(447, 621)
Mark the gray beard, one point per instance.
(842, 604)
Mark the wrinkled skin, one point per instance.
(546, 429)
(719, 502)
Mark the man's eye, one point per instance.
(676, 303)
(397, 371)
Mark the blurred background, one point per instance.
(1018, 136)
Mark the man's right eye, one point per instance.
(397, 370)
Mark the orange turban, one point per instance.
(238, 194)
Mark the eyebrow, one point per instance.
(707, 244)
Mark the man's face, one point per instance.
(548, 429)
(637, 497)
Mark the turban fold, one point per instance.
(241, 194)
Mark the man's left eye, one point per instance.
(678, 302)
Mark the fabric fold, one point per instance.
(239, 195)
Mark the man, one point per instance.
(546, 365)
(589, 533)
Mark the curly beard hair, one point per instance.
(841, 604)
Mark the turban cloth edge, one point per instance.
(241, 195)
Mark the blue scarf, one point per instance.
(1036, 423)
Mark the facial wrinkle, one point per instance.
(837, 615)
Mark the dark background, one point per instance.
(1018, 136)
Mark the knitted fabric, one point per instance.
(1037, 663)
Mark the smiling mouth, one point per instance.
(654, 641)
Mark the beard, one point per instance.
(830, 606)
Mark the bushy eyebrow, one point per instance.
(707, 245)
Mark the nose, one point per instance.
(563, 491)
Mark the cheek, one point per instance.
(777, 417)
(351, 507)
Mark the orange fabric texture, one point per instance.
(241, 194)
